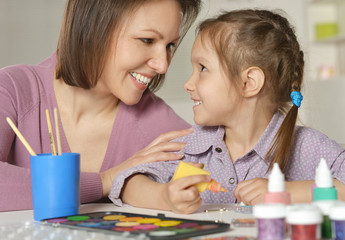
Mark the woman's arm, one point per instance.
(160, 149)
(15, 188)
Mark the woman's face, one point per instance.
(141, 49)
(216, 100)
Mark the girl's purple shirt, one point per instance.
(205, 145)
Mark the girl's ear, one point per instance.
(253, 80)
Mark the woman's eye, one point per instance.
(147, 40)
(171, 46)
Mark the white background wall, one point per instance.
(29, 32)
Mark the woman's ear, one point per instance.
(253, 80)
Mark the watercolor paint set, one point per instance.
(138, 225)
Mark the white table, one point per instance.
(15, 217)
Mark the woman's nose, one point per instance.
(160, 62)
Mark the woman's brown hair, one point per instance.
(86, 33)
(265, 39)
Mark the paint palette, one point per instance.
(138, 225)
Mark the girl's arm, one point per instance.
(300, 191)
(179, 196)
(252, 191)
(341, 189)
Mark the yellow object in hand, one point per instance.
(184, 169)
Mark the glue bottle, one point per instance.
(325, 207)
(324, 188)
(184, 169)
(276, 187)
(324, 196)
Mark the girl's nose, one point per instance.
(189, 85)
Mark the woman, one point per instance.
(111, 55)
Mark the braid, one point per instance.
(281, 147)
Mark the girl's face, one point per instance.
(215, 99)
(142, 49)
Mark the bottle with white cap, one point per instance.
(324, 188)
(276, 187)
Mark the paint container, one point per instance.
(326, 226)
(304, 221)
(270, 221)
(276, 187)
(337, 215)
(124, 225)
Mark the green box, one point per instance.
(326, 30)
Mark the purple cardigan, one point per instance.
(25, 92)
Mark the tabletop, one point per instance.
(217, 213)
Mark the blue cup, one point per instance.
(55, 185)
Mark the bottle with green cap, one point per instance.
(324, 188)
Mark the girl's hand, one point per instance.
(182, 196)
(252, 191)
(160, 149)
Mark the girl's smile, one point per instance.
(197, 103)
(210, 88)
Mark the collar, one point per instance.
(203, 138)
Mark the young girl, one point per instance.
(246, 82)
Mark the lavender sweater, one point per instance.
(25, 92)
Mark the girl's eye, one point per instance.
(146, 40)
(203, 68)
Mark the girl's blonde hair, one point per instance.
(265, 39)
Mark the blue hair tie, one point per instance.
(296, 98)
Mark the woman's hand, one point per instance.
(160, 149)
(252, 191)
(182, 196)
